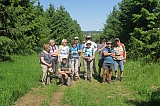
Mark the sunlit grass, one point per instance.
(18, 77)
(140, 82)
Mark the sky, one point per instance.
(90, 14)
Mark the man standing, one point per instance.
(54, 54)
(120, 58)
(79, 46)
(94, 47)
(108, 54)
(64, 71)
(101, 46)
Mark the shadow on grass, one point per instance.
(82, 74)
(154, 100)
(98, 78)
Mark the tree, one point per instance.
(112, 28)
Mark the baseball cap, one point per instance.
(117, 39)
(88, 42)
(64, 57)
(88, 36)
(101, 37)
(76, 37)
(109, 42)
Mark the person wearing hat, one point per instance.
(79, 46)
(94, 47)
(101, 46)
(64, 71)
(74, 60)
(88, 56)
(108, 54)
(120, 58)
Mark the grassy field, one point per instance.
(18, 77)
(140, 88)
(141, 85)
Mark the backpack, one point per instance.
(71, 53)
(53, 47)
(86, 50)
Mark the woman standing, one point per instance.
(46, 63)
(63, 50)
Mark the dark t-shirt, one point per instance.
(100, 46)
(47, 57)
(64, 67)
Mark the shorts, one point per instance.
(107, 66)
(100, 63)
(118, 63)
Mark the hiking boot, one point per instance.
(43, 84)
(109, 81)
(102, 82)
(74, 78)
(115, 79)
(61, 84)
(90, 79)
(121, 79)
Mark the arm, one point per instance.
(61, 72)
(95, 47)
(42, 60)
(69, 71)
(80, 48)
(84, 56)
(100, 49)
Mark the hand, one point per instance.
(49, 65)
(117, 54)
(89, 59)
(124, 61)
(58, 60)
(66, 76)
(104, 45)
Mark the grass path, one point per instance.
(55, 97)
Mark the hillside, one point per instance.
(91, 32)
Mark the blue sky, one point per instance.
(90, 14)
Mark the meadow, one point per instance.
(141, 85)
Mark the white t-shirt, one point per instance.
(93, 45)
(63, 51)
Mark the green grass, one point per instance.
(18, 77)
(140, 87)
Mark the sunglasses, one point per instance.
(75, 39)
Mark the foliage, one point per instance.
(136, 23)
(28, 27)
(17, 79)
(112, 28)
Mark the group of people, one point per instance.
(69, 60)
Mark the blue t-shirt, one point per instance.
(74, 52)
(79, 46)
(108, 59)
(88, 52)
